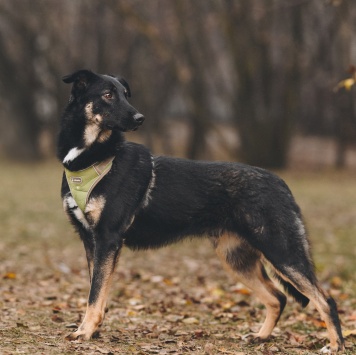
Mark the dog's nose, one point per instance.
(139, 118)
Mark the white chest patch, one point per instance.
(69, 204)
(72, 154)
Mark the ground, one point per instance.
(176, 300)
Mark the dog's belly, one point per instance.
(170, 217)
(146, 233)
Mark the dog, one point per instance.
(116, 193)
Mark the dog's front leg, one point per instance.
(107, 249)
(89, 246)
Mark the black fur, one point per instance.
(299, 297)
(152, 201)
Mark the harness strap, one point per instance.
(81, 183)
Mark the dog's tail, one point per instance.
(291, 290)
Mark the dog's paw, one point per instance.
(328, 349)
(252, 338)
(77, 335)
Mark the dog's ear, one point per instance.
(126, 86)
(80, 78)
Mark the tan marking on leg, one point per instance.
(266, 292)
(319, 298)
(93, 209)
(226, 243)
(94, 315)
(255, 280)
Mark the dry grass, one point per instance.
(175, 300)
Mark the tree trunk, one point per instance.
(266, 63)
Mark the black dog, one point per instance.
(116, 193)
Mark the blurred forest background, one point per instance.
(241, 80)
(266, 82)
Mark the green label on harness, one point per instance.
(76, 180)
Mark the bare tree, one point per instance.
(263, 41)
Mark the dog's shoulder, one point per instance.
(131, 171)
(134, 156)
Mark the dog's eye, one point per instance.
(108, 95)
(126, 93)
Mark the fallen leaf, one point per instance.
(72, 326)
(57, 319)
(9, 275)
(336, 282)
(139, 307)
(199, 333)
(190, 320)
(173, 318)
(209, 348)
(56, 309)
(319, 323)
(21, 325)
(218, 336)
(180, 333)
(217, 292)
(227, 305)
(352, 316)
(168, 282)
(157, 279)
(343, 296)
(51, 298)
(347, 84)
(242, 291)
(103, 351)
(349, 332)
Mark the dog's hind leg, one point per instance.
(289, 253)
(107, 249)
(307, 284)
(245, 263)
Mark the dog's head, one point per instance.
(104, 99)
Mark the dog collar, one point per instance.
(81, 183)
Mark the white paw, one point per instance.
(328, 350)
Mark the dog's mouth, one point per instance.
(137, 127)
(133, 129)
(124, 125)
(116, 128)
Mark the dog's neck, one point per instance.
(81, 145)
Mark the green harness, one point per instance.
(81, 183)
